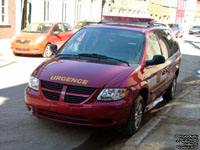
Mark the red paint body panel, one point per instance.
(105, 73)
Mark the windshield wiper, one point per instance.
(63, 56)
(94, 55)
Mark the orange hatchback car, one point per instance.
(37, 38)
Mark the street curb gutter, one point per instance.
(134, 142)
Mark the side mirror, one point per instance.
(54, 49)
(157, 59)
(56, 32)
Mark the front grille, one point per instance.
(73, 94)
(80, 90)
(51, 85)
(23, 41)
(62, 117)
(74, 99)
(51, 95)
(22, 49)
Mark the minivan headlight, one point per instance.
(112, 94)
(34, 83)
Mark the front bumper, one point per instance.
(93, 113)
(28, 48)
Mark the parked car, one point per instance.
(178, 31)
(37, 38)
(81, 24)
(106, 75)
(194, 30)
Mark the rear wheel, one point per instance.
(47, 52)
(135, 117)
(171, 91)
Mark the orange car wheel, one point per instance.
(47, 52)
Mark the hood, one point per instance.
(81, 73)
(29, 36)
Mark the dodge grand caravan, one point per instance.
(106, 74)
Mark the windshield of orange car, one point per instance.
(119, 44)
(38, 28)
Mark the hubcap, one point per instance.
(138, 115)
(47, 51)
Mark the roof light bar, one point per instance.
(127, 20)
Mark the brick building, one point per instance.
(7, 18)
(17, 14)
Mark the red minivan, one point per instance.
(106, 74)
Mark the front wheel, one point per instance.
(47, 51)
(135, 118)
(171, 91)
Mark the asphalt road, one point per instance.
(21, 131)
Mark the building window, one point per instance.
(46, 10)
(64, 10)
(122, 12)
(3, 12)
(78, 11)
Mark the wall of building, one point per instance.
(189, 17)
(163, 11)
(197, 13)
(131, 8)
(180, 12)
(8, 30)
(76, 10)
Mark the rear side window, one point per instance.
(174, 47)
(164, 43)
(59, 28)
(153, 47)
(167, 42)
(164, 47)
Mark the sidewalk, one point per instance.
(5, 52)
(5, 47)
(175, 127)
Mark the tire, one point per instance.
(135, 118)
(16, 54)
(170, 93)
(47, 51)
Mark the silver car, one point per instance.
(194, 30)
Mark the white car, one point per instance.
(194, 30)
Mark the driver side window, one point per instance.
(153, 47)
(58, 28)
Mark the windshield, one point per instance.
(119, 44)
(196, 27)
(38, 28)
